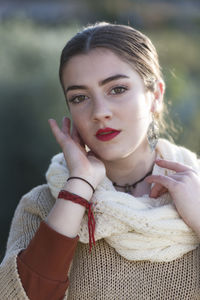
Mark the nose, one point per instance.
(101, 110)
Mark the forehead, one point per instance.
(97, 63)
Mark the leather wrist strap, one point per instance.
(91, 221)
(75, 177)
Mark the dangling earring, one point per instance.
(153, 133)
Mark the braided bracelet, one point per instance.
(91, 221)
(83, 180)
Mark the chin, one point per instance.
(103, 155)
(113, 152)
(111, 156)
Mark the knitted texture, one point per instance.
(32, 209)
(102, 274)
(140, 228)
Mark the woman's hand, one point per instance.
(184, 188)
(79, 162)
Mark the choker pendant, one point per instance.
(128, 187)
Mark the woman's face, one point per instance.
(103, 91)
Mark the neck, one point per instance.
(131, 168)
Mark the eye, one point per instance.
(118, 90)
(77, 99)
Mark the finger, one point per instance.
(155, 190)
(76, 136)
(165, 181)
(159, 193)
(158, 190)
(171, 165)
(66, 126)
(54, 127)
(59, 135)
(162, 192)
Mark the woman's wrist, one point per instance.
(81, 178)
(65, 216)
(79, 187)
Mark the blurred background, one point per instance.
(32, 34)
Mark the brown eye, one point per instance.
(118, 90)
(77, 99)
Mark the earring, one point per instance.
(153, 133)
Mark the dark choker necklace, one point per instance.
(128, 187)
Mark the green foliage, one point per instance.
(178, 52)
(30, 95)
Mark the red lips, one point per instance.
(106, 134)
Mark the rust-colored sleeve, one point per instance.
(44, 265)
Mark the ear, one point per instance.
(158, 97)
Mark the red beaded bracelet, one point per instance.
(91, 221)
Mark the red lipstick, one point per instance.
(106, 134)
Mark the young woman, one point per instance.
(119, 215)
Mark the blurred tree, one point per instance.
(30, 94)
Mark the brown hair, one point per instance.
(129, 44)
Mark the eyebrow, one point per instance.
(101, 83)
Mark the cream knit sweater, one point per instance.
(139, 228)
(104, 274)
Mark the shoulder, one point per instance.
(38, 201)
(31, 210)
(171, 151)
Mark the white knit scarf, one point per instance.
(141, 228)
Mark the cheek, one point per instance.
(138, 118)
(137, 112)
(82, 130)
(137, 104)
